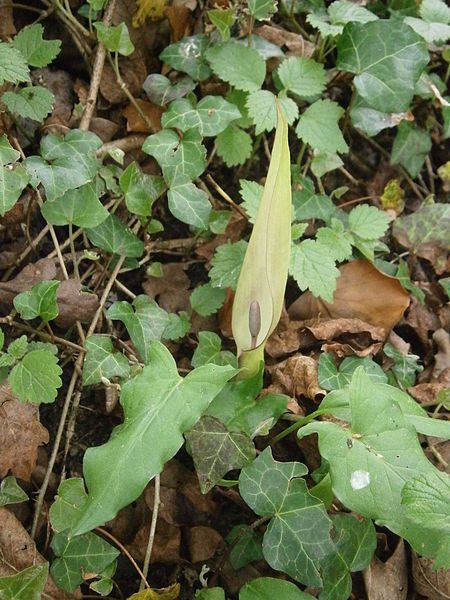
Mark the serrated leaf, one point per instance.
(290, 544)
(13, 178)
(32, 102)
(251, 194)
(101, 361)
(318, 127)
(115, 38)
(368, 222)
(211, 115)
(188, 203)
(159, 406)
(313, 267)
(81, 207)
(302, 76)
(234, 146)
(309, 205)
(36, 378)
(206, 300)
(13, 66)
(268, 588)
(411, 147)
(113, 236)
(262, 9)
(387, 57)
(161, 90)
(36, 51)
(187, 56)
(339, 14)
(144, 319)
(226, 264)
(338, 241)
(262, 108)
(40, 301)
(238, 65)
(216, 450)
(28, 583)
(77, 556)
(11, 493)
(141, 190)
(209, 350)
(18, 347)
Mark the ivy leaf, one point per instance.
(234, 146)
(11, 493)
(262, 108)
(81, 207)
(101, 361)
(40, 301)
(318, 127)
(144, 319)
(13, 66)
(368, 222)
(246, 546)
(159, 406)
(435, 11)
(261, 9)
(267, 588)
(405, 366)
(302, 76)
(187, 56)
(175, 156)
(226, 264)
(388, 58)
(28, 583)
(68, 502)
(113, 236)
(251, 194)
(188, 203)
(290, 544)
(115, 38)
(339, 14)
(239, 65)
(309, 205)
(141, 190)
(332, 378)
(313, 267)
(432, 33)
(411, 147)
(211, 115)
(79, 556)
(216, 450)
(223, 19)
(160, 90)
(13, 177)
(206, 300)
(31, 102)
(209, 350)
(36, 378)
(36, 51)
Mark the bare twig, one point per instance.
(151, 536)
(131, 142)
(125, 551)
(226, 197)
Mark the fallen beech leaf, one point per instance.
(203, 543)
(442, 357)
(166, 548)
(133, 71)
(296, 44)
(74, 304)
(388, 580)
(362, 292)
(434, 585)
(422, 320)
(169, 593)
(41, 270)
(180, 21)
(296, 376)
(21, 434)
(60, 84)
(171, 289)
(135, 122)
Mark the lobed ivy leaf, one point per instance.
(268, 588)
(113, 236)
(13, 66)
(318, 127)
(28, 583)
(239, 65)
(313, 267)
(141, 190)
(159, 406)
(223, 19)
(405, 367)
(101, 361)
(226, 264)
(36, 378)
(303, 77)
(333, 378)
(206, 300)
(161, 90)
(68, 502)
(411, 147)
(278, 490)
(11, 492)
(432, 33)
(13, 177)
(209, 350)
(40, 301)
(31, 102)
(115, 38)
(339, 14)
(234, 146)
(212, 115)
(81, 207)
(36, 51)
(435, 11)
(261, 9)
(188, 56)
(246, 546)
(188, 203)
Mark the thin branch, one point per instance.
(151, 536)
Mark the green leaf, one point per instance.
(318, 127)
(187, 56)
(28, 583)
(302, 76)
(13, 177)
(81, 207)
(177, 326)
(251, 194)
(18, 347)
(13, 66)
(262, 108)
(65, 163)
(226, 264)
(405, 367)
(68, 502)
(36, 378)
(223, 19)
(332, 378)
(159, 406)
(36, 51)
(113, 236)
(175, 156)
(268, 588)
(435, 11)
(161, 90)
(11, 493)
(313, 267)
(101, 361)
(216, 451)
(309, 205)
(277, 490)
(141, 190)
(31, 102)
(336, 240)
(323, 162)
(261, 9)
(234, 146)
(368, 222)
(212, 115)
(411, 147)
(206, 300)
(339, 14)
(246, 546)
(388, 58)
(40, 301)
(239, 65)
(144, 319)
(209, 350)
(115, 38)
(445, 285)
(432, 33)
(77, 556)
(403, 276)
(214, 593)
(188, 203)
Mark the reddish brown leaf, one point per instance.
(388, 580)
(295, 43)
(180, 21)
(34, 273)
(133, 71)
(74, 304)
(135, 121)
(203, 543)
(296, 376)
(171, 290)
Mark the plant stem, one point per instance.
(300, 423)
(151, 537)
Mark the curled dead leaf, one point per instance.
(74, 304)
(296, 376)
(442, 357)
(294, 42)
(434, 585)
(388, 580)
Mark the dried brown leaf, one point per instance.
(135, 121)
(442, 357)
(294, 42)
(171, 290)
(41, 270)
(296, 376)
(133, 71)
(203, 543)
(434, 585)
(166, 547)
(388, 580)
(74, 304)
(60, 84)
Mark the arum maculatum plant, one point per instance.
(262, 282)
